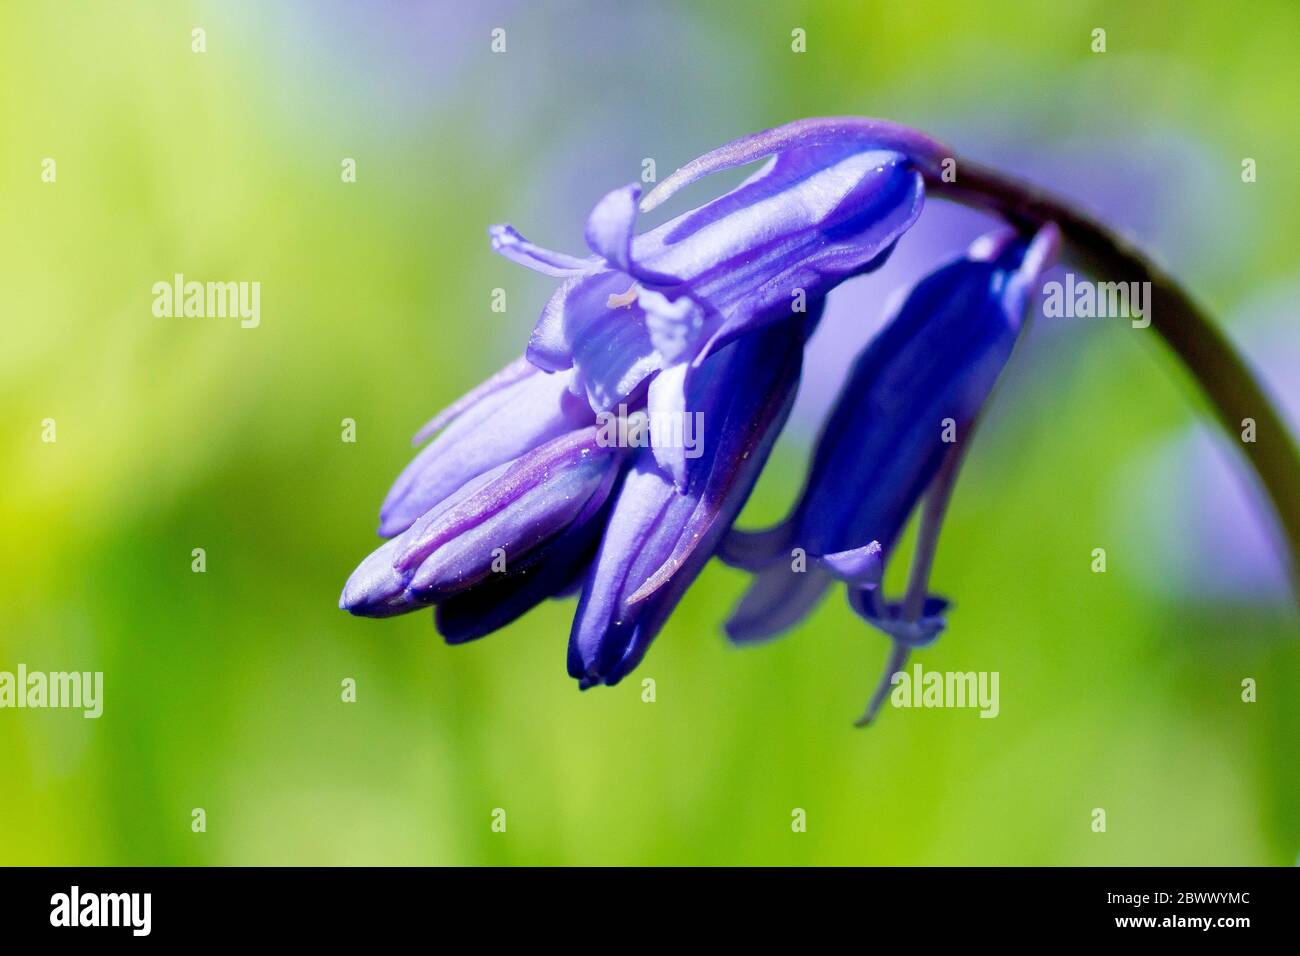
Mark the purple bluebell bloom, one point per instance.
(911, 396)
(829, 204)
(659, 537)
(907, 408)
(523, 497)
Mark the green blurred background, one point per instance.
(222, 689)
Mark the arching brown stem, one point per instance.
(1215, 364)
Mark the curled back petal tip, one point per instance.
(861, 567)
(507, 241)
(610, 230)
(903, 626)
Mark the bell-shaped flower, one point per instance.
(908, 404)
(830, 203)
(658, 538)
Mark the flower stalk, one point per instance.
(1214, 363)
(933, 508)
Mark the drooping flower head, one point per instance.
(522, 496)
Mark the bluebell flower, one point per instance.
(897, 431)
(658, 537)
(829, 204)
(521, 497)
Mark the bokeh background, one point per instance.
(222, 689)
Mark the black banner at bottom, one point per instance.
(340, 905)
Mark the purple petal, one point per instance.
(897, 624)
(502, 424)
(518, 369)
(674, 327)
(751, 550)
(658, 538)
(504, 598)
(861, 567)
(814, 260)
(602, 633)
(513, 513)
(830, 205)
(781, 595)
(797, 207)
(525, 501)
(376, 588)
(507, 241)
(937, 359)
(610, 229)
(611, 224)
(610, 347)
(779, 598)
(518, 530)
(666, 401)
